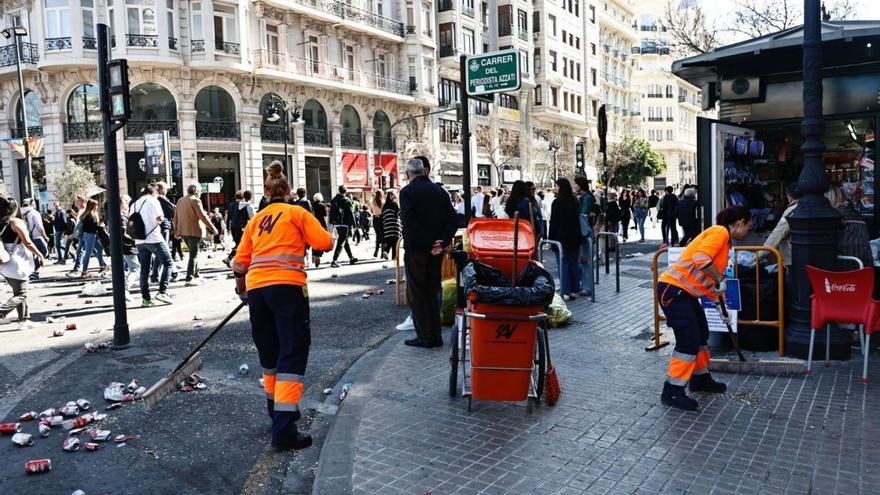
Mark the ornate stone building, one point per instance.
(207, 71)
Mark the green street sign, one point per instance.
(494, 72)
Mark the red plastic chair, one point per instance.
(839, 297)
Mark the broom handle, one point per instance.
(515, 247)
(209, 337)
(722, 308)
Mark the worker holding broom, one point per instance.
(270, 275)
(698, 271)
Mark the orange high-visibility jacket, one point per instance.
(712, 246)
(273, 246)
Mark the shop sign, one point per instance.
(508, 114)
(157, 155)
(510, 176)
(493, 72)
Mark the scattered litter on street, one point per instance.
(70, 326)
(92, 446)
(100, 435)
(93, 347)
(48, 413)
(335, 275)
(71, 444)
(133, 385)
(69, 411)
(197, 318)
(55, 319)
(113, 406)
(10, 428)
(94, 289)
(328, 391)
(391, 281)
(54, 421)
(28, 416)
(139, 392)
(78, 492)
(124, 438)
(23, 439)
(262, 382)
(83, 404)
(345, 389)
(38, 466)
(243, 369)
(44, 430)
(114, 392)
(198, 325)
(58, 332)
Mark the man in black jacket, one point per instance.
(167, 228)
(667, 215)
(302, 200)
(429, 222)
(342, 217)
(687, 215)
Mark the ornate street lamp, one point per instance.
(278, 109)
(814, 223)
(15, 33)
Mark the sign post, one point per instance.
(484, 74)
(157, 155)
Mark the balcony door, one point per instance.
(272, 45)
(225, 30)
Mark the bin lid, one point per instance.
(495, 236)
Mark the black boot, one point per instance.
(299, 442)
(705, 383)
(675, 396)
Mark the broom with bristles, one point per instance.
(776, 367)
(189, 365)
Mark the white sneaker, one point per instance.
(164, 297)
(406, 325)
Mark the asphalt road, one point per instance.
(210, 441)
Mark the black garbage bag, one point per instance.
(754, 337)
(534, 285)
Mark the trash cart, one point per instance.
(499, 341)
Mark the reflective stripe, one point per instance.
(294, 258)
(287, 392)
(276, 264)
(280, 406)
(290, 377)
(683, 357)
(267, 371)
(676, 381)
(702, 258)
(694, 271)
(239, 267)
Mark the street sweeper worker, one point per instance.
(698, 271)
(270, 275)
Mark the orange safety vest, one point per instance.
(711, 246)
(273, 246)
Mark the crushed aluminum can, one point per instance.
(128, 398)
(124, 438)
(92, 446)
(98, 417)
(54, 421)
(44, 429)
(114, 392)
(381, 291)
(38, 466)
(28, 416)
(48, 413)
(70, 403)
(139, 392)
(100, 435)
(328, 391)
(78, 492)
(345, 390)
(93, 347)
(186, 388)
(83, 404)
(113, 406)
(55, 319)
(23, 439)
(200, 386)
(58, 332)
(69, 411)
(10, 428)
(76, 431)
(78, 422)
(71, 444)
(133, 385)
(243, 369)
(70, 326)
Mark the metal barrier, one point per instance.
(608, 235)
(779, 323)
(558, 246)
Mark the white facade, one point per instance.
(203, 69)
(669, 105)
(617, 36)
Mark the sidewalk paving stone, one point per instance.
(609, 433)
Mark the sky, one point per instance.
(719, 10)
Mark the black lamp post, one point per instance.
(278, 109)
(15, 33)
(814, 223)
(554, 147)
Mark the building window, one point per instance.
(508, 101)
(580, 101)
(669, 91)
(551, 21)
(536, 21)
(523, 62)
(538, 95)
(169, 14)
(522, 21)
(141, 18)
(484, 13)
(593, 77)
(505, 20)
(593, 14)
(537, 59)
(595, 105)
(592, 48)
(467, 40)
(564, 67)
(669, 134)
(554, 97)
(348, 60)
(313, 54)
(449, 92)
(447, 39)
(57, 19)
(88, 16)
(552, 57)
(225, 30)
(565, 101)
(448, 131)
(411, 62)
(578, 71)
(196, 21)
(429, 74)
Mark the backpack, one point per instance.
(337, 211)
(136, 228)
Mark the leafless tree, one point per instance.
(754, 18)
(691, 32)
(503, 152)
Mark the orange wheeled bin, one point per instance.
(498, 346)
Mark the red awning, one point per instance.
(354, 169)
(389, 163)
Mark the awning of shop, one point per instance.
(389, 163)
(354, 169)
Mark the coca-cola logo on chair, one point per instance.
(829, 287)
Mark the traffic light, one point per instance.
(579, 165)
(117, 90)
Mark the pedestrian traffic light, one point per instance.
(579, 159)
(117, 90)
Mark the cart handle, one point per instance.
(506, 316)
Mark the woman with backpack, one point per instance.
(16, 271)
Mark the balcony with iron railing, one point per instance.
(198, 46)
(18, 133)
(29, 53)
(227, 47)
(268, 59)
(172, 43)
(90, 43)
(411, 31)
(57, 44)
(317, 137)
(352, 140)
(218, 130)
(523, 35)
(447, 51)
(82, 132)
(384, 143)
(137, 128)
(468, 11)
(350, 12)
(330, 72)
(275, 133)
(142, 40)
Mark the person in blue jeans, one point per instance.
(565, 229)
(587, 218)
(90, 228)
(152, 244)
(640, 211)
(59, 221)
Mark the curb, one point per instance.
(336, 462)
